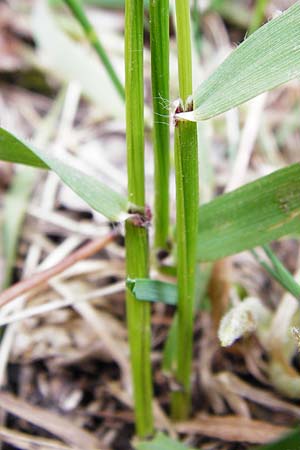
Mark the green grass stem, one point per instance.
(159, 40)
(77, 9)
(184, 49)
(136, 237)
(187, 198)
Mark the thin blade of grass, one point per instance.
(17, 197)
(281, 274)
(100, 197)
(266, 59)
(253, 215)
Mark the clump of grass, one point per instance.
(223, 227)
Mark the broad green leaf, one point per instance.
(266, 59)
(250, 216)
(100, 197)
(290, 441)
(161, 442)
(148, 290)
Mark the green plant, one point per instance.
(136, 233)
(250, 216)
(159, 40)
(187, 200)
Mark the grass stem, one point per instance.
(187, 198)
(159, 39)
(136, 237)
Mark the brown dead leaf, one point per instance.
(233, 429)
(54, 423)
(218, 290)
(27, 442)
(260, 396)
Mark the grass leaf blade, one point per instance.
(253, 215)
(100, 197)
(145, 289)
(266, 59)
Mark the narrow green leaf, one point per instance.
(162, 442)
(15, 201)
(281, 273)
(100, 197)
(145, 289)
(250, 216)
(290, 441)
(266, 59)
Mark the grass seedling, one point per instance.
(159, 39)
(187, 198)
(136, 234)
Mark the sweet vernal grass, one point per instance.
(159, 40)
(187, 198)
(252, 215)
(79, 13)
(136, 235)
